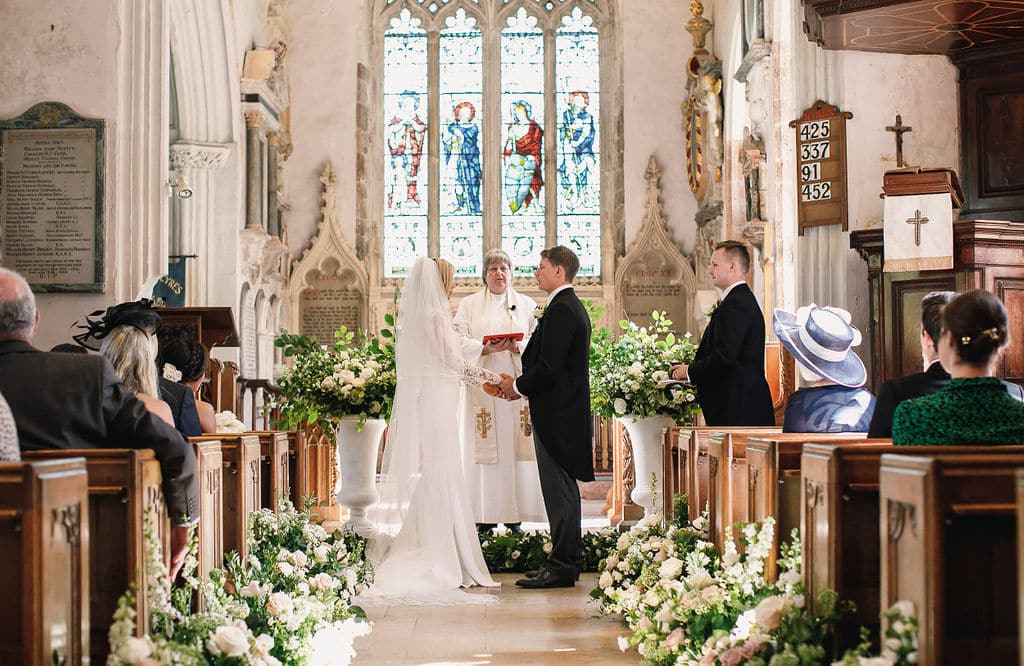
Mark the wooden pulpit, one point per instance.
(986, 255)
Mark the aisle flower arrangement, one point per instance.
(354, 377)
(528, 550)
(625, 372)
(293, 589)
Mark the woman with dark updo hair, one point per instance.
(975, 407)
(182, 358)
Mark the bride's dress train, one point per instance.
(426, 547)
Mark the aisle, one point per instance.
(559, 626)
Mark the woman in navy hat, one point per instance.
(821, 340)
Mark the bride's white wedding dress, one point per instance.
(427, 547)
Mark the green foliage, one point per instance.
(528, 550)
(354, 377)
(624, 372)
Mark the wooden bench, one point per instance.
(124, 485)
(1020, 558)
(44, 547)
(274, 466)
(694, 470)
(840, 525)
(210, 531)
(772, 482)
(298, 467)
(240, 455)
(727, 481)
(948, 544)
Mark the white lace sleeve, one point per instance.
(477, 376)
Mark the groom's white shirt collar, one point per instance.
(552, 295)
(732, 286)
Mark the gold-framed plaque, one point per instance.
(821, 166)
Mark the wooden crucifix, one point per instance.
(899, 128)
(917, 221)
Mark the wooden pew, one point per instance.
(44, 547)
(840, 528)
(772, 482)
(298, 467)
(210, 531)
(694, 471)
(948, 539)
(124, 484)
(274, 466)
(240, 456)
(1020, 558)
(727, 481)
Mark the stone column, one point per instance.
(273, 212)
(140, 229)
(254, 172)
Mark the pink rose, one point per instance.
(673, 640)
(731, 657)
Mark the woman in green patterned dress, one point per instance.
(975, 407)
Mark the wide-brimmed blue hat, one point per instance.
(822, 339)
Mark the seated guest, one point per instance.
(68, 348)
(821, 340)
(974, 407)
(934, 377)
(9, 451)
(182, 358)
(73, 401)
(126, 336)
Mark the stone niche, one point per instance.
(654, 274)
(329, 287)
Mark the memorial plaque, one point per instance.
(51, 198)
(656, 282)
(327, 304)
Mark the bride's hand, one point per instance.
(493, 390)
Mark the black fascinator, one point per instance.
(139, 314)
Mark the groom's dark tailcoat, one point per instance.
(556, 379)
(728, 368)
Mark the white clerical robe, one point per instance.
(497, 454)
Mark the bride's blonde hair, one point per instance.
(446, 271)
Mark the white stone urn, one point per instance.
(647, 435)
(357, 468)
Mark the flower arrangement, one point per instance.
(355, 377)
(625, 372)
(294, 589)
(527, 550)
(899, 640)
(228, 422)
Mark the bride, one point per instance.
(427, 547)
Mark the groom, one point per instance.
(556, 379)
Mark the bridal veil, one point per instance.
(427, 547)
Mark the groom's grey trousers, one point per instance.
(562, 503)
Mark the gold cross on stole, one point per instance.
(917, 221)
(524, 421)
(483, 422)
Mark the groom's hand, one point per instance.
(506, 387)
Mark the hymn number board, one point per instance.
(821, 166)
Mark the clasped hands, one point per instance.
(680, 372)
(503, 389)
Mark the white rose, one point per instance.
(904, 608)
(285, 568)
(263, 644)
(790, 577)
(134, 650)
(605, 580)
(322, 551)
(278, 603)
(670, 568)
(623, 643)
(619, 405)
(769, 612)
(547, 547)
(322, 581)
(230, 641)
(299, 559)
(253, 589)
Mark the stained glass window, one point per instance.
(491, 132)
(460, 83)
(578, 101)
(405, 146)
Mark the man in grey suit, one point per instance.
(72, 401)
(556, 379)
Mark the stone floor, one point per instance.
(559, 626)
